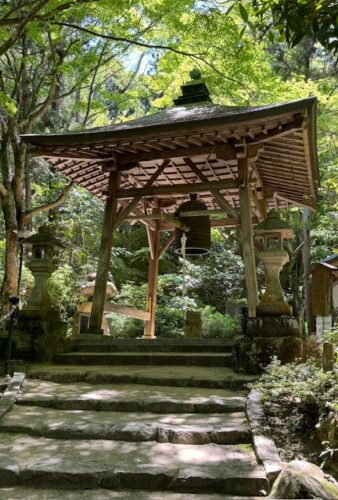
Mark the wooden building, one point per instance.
(242, 161)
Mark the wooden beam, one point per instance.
(127, 311)
(215, 191)
(230, 222)
(296, 124)
(247, 236)
(149, 327)
(227, 151)
(99, 298)
(147, 192)
(184, 213)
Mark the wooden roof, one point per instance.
(202, 136)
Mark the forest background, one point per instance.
(69, 65)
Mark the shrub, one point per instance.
(217, 325)
(169, 322)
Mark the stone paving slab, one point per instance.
(21, 493)
(134, 398)
(229, 469)
(137, 358)
(179, 376)
(229, 428)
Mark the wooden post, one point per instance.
(110, 214)
(247, 236)
(154, 243)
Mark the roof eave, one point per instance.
(93, 137)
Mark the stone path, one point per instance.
(95, 438)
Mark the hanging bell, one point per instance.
(199, 237)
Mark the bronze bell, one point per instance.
(199, 237)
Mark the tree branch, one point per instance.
(194, 57)
(54, 204)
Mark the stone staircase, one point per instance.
(131, 419)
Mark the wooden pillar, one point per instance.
(154, 244)
(109, 219)
(247, 237)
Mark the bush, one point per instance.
(169, 322)
(217, 325)
(125, 327)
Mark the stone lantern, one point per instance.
(270, 235)
(40, 332)
(45, 248)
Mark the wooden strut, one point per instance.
(214, 190)
(129, 208)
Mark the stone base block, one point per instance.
(268, 336)
(193, 324)
(39, 339)
(253, 354)
(272, 326)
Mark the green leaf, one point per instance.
(243, 12)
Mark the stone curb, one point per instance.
(10, 395)
(263, 445)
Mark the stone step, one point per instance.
(135, 358)
(129, 398)
(174, 376)
(119, 465)
(229, 428)
(108, 344)
(22, 493)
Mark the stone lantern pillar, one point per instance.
(40, 333)
(274, 332)
(270, 235)
(42, 264)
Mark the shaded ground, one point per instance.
(294, 432)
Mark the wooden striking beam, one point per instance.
(127, 311)
(215, 190)
(147, 192)
(227, 151)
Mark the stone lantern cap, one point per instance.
(44, 237)
(273, 224)
(88, 288)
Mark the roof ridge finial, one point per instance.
(194, 91)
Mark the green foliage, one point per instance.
(61, 287)
(299, 383)
(217, 325)
(293, 20)
(169, 322)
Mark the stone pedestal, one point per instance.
(268, 337)
(193, 324)
(272, 302)
(39, 336)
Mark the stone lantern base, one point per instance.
(268, 337)
(38, 336)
